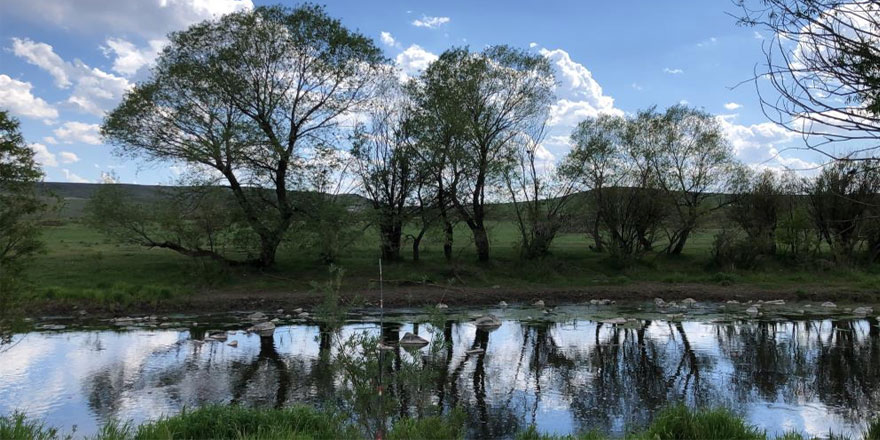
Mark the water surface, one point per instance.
(564, 372)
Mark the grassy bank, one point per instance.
(83, 267)
(224, 422)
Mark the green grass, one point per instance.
(80, 264)
(301, 423)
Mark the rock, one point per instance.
(829, 304)
(732, 301)
(502, 304)
(280, 311)
(659, 302)
(615, 321)
(862, 311)
(410, 340)
(265, 329)
(689, 302)
(298, 310)
(752, 311)
(275, 321)
(197, 342)
(51, 327)
(303, 315)
(384, 347)
(538, 303)
(233, 343)
(601, 302)
(218, 335)
(488, 322)
(256, 316)
(288, 316)
(496, 286)
(442, 306)
(475, 351)
(82, 313)
(775, 302)
(675, 316)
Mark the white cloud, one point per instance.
(50, 140)
(42, 55)
(764, 146)
(732, 106)
(414, 60)
(636, 86)
(684, 102)
(43, 156)
(533, 44)
(579, 95)
(72, 131)
(430, 22)
(388, 39)
(94, 91)
(148, 19)
(68, 157)
(672, 71)
(129, 58)
(16, 96)
(758, 35)
(71, 177)
(710, 42)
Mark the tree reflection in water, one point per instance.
(600, 376)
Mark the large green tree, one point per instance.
(248, 98)
(490, 97)
(19, 204)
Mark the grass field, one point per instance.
(82, 264)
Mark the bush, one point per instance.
(730, 250)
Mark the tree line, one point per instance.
(279, 112)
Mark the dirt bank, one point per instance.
(213, 301)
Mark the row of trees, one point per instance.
(276, 111)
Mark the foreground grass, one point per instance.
(227, 422)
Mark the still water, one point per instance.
(563, 372)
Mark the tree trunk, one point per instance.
(447, 240)
(481, 240)
(391, 237)
(417, 241)
(597, 237)
(678, 246)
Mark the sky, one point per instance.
(65, 63)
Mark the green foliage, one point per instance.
(18, 427)
(19, 206)
(680, 422)
(450, 426)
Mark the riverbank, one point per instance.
(418, 296)
(300, 422)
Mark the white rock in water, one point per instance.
(829, 304)
(257, 316)
(488, 322)
(442, 306)
(52, 327)
(776, 302)
(233, 344)
(615, 321)
(659, 302)
(689, 302)
(732, 301)
(752, 310)
(217, 335)
(475, 351)
(280, 311)
(538, 303)
(410, 340)
(298, 310)
(275, 321)
(263, 328)
(502, 304)
(303, 315)
(862, 311)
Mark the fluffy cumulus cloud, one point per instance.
(414, 60)
(146, 18)
(578, 95)
(78, 132)
(763, 146)
(430, 22)
(43, 156)
(93, 90)
(17, 97)
(387, 39)
(68, 157)
(128, 58)
(732, 106)
(71, 177)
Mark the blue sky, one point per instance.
(64, 63)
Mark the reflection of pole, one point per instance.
(381, 432)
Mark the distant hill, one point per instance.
(75, 196)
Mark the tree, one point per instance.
(19, 203)
(626, 198)
(247, 97)
(386, 164)
(756, 206)
(539, 194)
(823, 64)
(492, 96)
(691, 160)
